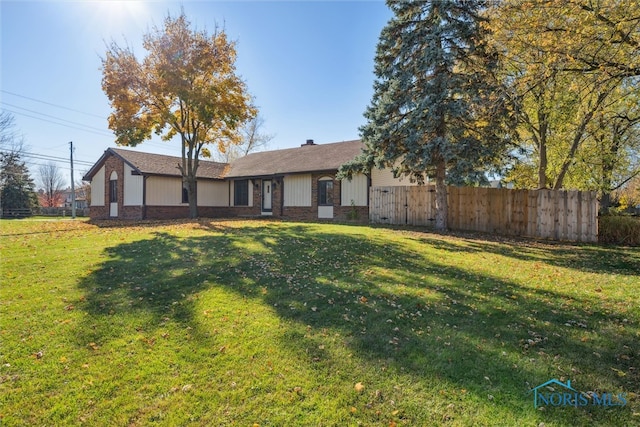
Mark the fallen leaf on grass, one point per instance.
(619, 372)
(359, 387)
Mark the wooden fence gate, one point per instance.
(548, 214)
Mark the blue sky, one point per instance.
(309, 65)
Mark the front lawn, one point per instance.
(274, 323)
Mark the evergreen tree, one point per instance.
(437, 108)
(17, 187)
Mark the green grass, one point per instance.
(273, 324)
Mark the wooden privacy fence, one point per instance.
(547, 214)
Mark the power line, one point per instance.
(52, 104)
(54, 158)
(53, 117)
(97, 131)
(34, 164)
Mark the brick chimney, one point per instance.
(309, 142)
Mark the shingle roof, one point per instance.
(158, 164)
(307, 158)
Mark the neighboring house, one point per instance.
(296, 183)
(81, 199)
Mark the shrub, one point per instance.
(353, 213)
(619, 229)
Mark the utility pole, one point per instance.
(73, 187)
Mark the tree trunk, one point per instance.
(542, 165)
(542, 147)
(609, 155)
(578, 138)
(189, 168)
(605, 202)
(442, 207)
(193, 197)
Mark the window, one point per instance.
(113, 191)
(325, 192)
(241, 192)
(185, 194)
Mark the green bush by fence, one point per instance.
(619, 229)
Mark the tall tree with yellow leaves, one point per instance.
(566, 60)
(186, 87)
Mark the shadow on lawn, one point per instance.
(583, 257)
(393, 308)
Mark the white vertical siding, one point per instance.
(97, 188)
(213, 193)
(355, 190)
(164, 191)
(232, 193)
(384, 178)
(132, 187)
(297, 190)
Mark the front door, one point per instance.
(267, 197)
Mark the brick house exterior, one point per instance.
(295, 184)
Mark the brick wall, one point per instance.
(278, 194)
(102, 212)
(130, 212)
(359, 214)
(341, 213)
(99, 212)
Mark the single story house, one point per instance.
(296, 183)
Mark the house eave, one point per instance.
(281, 174)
